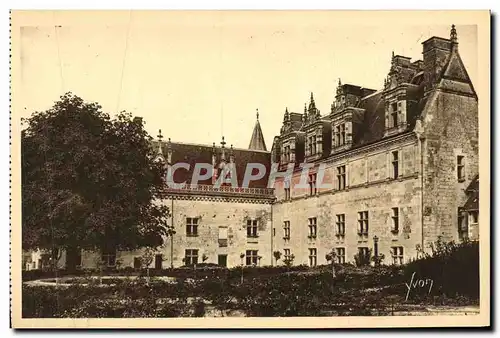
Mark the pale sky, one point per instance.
(201, 75)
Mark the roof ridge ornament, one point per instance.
(453, 35)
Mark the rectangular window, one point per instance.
(312, 184)
(395, 164)
(222, 237)
(287, 153)
(364, 254)
(313, 256)
(463, 231)
(340, 255)
(337, 136)
(252, 257)
(395, 220)
(342, 134)
(191, 256)
(363, 223)
(460, 168)
(191, 227)
(287, 254)
(314, 144)
(252, 228)
(287, 194)
(474, 217)
(397, 255)
(341, 177)
(108, 257)
(312, 227)
(340, 230)
(394, 115)
(286, 229)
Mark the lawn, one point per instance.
(270, 291)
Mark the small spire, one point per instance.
(287, 115)
(223, 143)
(257, 114)
(160, 136)
(340, 82)
(312, 97)
(393, 63)
(453, 34)
(305, 108)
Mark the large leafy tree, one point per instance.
(90, 181)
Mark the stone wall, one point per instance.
(212, 215)
(369, 188)
(450, 129)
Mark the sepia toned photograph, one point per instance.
(211, 168)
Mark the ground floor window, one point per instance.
(340, 255)
(222, 260)
(191, 257)
(252, 257)
(108, 258)
(313, 256)
(287, 254)
(397, 255)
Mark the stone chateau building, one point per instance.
(402, 162)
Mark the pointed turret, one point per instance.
(257, 141)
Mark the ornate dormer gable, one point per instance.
(276, 150)
(397, 100)
(402, 71)
(345, 114)
(288, 146)
(316, 133)
(311, 114)
(348, 95)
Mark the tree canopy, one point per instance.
(90, 180)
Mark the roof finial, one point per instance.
(223, 143)
(257, 114)
(312, 97)
(453, 34)
(160, 136)
(340, 82)
(305, 107)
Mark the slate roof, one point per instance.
(257, 141)
(198, 153)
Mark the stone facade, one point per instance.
(391, 170)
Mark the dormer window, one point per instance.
(394, 114)
(340, 135)
(312, 145)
